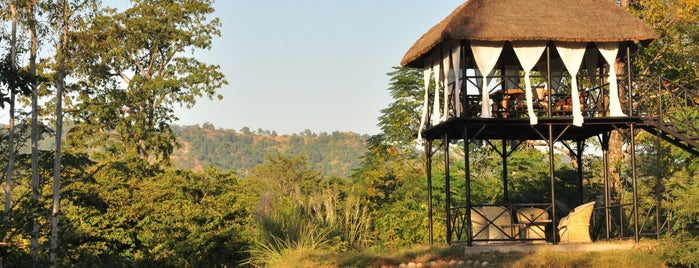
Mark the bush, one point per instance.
(680, 252)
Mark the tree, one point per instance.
(64, 17)
(200, 219)
(391, 176)
(9, 68)
(399, 123)
(59, 82)
(32, 23)
(137, 70)
(673, 55)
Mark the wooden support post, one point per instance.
(428, 168)
(467, 171)
(447, 186)
(553, 182)
(579, 155)
(504, 155)
(634, 182)
(607, 195)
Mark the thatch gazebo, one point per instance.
(516, 70)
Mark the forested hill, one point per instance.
(335, 154)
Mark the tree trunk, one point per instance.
(616, 155)
(60, 85)
(34, 134)
(11, 127)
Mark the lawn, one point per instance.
(453, 256)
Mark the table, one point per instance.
(507, 102)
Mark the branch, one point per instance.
(140, 68)
(124, 77)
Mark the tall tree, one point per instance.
(32, 25)
(12, 62)
(391, 176)
(59, 83)
(384, 166)
(63, 15)
(138, 69)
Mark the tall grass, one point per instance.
(283, 232)
(321, 222)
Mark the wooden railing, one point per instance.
(652, 97)
(667, 102)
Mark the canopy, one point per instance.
(532, 20)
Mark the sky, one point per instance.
(310, 64)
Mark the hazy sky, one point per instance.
(309, 64)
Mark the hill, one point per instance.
(334, 154)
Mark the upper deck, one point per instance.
(657, 105)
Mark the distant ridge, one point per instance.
(333, 154)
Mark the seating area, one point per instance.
(511, 103)
(528, 223)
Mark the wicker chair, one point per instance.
(576, 226)
(500, 227)
(534, 222)
(479, 226)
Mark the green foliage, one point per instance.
(680, 252)
(127, 213)
(529, 177)
(675, 23)
(671, 187)
(12, 79)
(400, 121)
(198, 221)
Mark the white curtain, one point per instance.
(609, 51)
(572, 55)
(528, 54)
(426, 75)
(437, 79)
(486, 55)
(456, 62)
(446, 62)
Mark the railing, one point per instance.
(653, 97)
(621, 223)
(501, 223)
(593, 98)
(668, 102)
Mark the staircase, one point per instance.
(672, 134)
(669, 111)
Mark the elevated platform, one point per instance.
(573, 247)
(521, 129)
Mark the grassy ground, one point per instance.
(441, 256)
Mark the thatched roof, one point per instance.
(550, 20)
